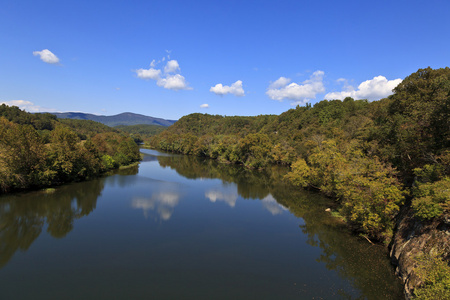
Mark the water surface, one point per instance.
(179, 227)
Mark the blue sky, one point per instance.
(171, 58)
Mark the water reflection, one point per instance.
(163, 202)
(229, 198)
(23, 216)
(365, 266)
(272, 205)
(250, 184)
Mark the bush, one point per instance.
(368, 190)
(435, 276)
(431, 199)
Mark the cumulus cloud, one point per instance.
(148, 73)
(173, 82)
(169, 78)
(204, 105)
(26, 105)
(373, 89)
(172, 66)
(279, 83)
(47, 56)
(235, 89)
(282, 89)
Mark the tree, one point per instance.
(22, 157)
(418, 124)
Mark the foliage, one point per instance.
(38, 151)
(23, 156)
(367, 189)
(142, 131)
(86, 129)
(435, 276)
(416, 127)
(38, 121)
(300, 174)
(432, 199)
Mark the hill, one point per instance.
(145, 131)
(126, 118)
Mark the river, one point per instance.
(180, 227)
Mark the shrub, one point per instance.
(435, 275)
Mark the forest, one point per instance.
(373, 158)
(39, 150)
(142, 132)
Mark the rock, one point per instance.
(328, 209)
(412, 238)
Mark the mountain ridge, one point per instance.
(125, 118)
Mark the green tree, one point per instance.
(418, 125)
(22, 157)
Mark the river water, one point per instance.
(180, 227)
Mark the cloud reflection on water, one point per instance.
(229, 198)
(162, 202)
(272, 205)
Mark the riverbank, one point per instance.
(416, 251)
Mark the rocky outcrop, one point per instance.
(414, 237)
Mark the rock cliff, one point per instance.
(414, 237)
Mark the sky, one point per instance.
(168, 59)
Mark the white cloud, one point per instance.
(204, 105)
(148, 73)
(374, 89)
(173, 82)
(26, 105)
(172, 66)
(235, 89)
(169, 78)
(282, 88)
(280, 82)
(47, 56)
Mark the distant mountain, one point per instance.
(126, 118)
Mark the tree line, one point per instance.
(37, 150)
